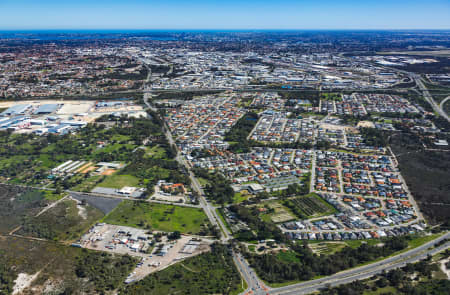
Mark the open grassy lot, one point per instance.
(326, 248)
(62, 269)
(156, 152)
(158, 217)
(275, 212)
(203, 182)
(66, 221)
(288, 256)
(309, 206)
(356, 243)
(119, 181)
(210, 273)
(240, 197)
(87, 184)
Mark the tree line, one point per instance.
(308, 265)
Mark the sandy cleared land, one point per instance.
(427, 53)
(368, 124)
(75, 108)
(335, 127)
(23, 281)
(161, 197)
(7, 104)
(127, 108)
(444, 268)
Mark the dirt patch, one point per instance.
(444, 268)
(365, 124)
(84, 167)
(109, 172)
(23, 281)
(81, 209)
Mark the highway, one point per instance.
(441, 105)
(429, 98)
(254, 284)
(366, 271)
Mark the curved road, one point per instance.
(366, 271)
(441, 105)
(429, 98)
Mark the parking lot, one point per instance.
(156, 252)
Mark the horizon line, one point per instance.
(221, 29)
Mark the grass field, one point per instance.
(87, 184)
(156, 152)
(288, 256)
(203, 182)
(240, 197)
(356, 243)
(276, 212)
(52, 195)
(158, 217)
(118, 181)
(209, 273)
(326, 248)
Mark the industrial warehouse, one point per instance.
(61, 117)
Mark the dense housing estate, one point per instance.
(221, 162)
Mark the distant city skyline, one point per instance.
(232, 15)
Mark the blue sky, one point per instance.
(226, 14)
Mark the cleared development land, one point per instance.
(158, 217)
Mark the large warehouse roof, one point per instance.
(47, 108)
(17, 109)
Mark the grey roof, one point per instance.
(16, 109)
(47, 108)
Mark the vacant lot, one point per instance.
(65, 221)
(276, 212)
(158, 217)
(119, 181)
(309, 206)
(87, 184)
(326, 248)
